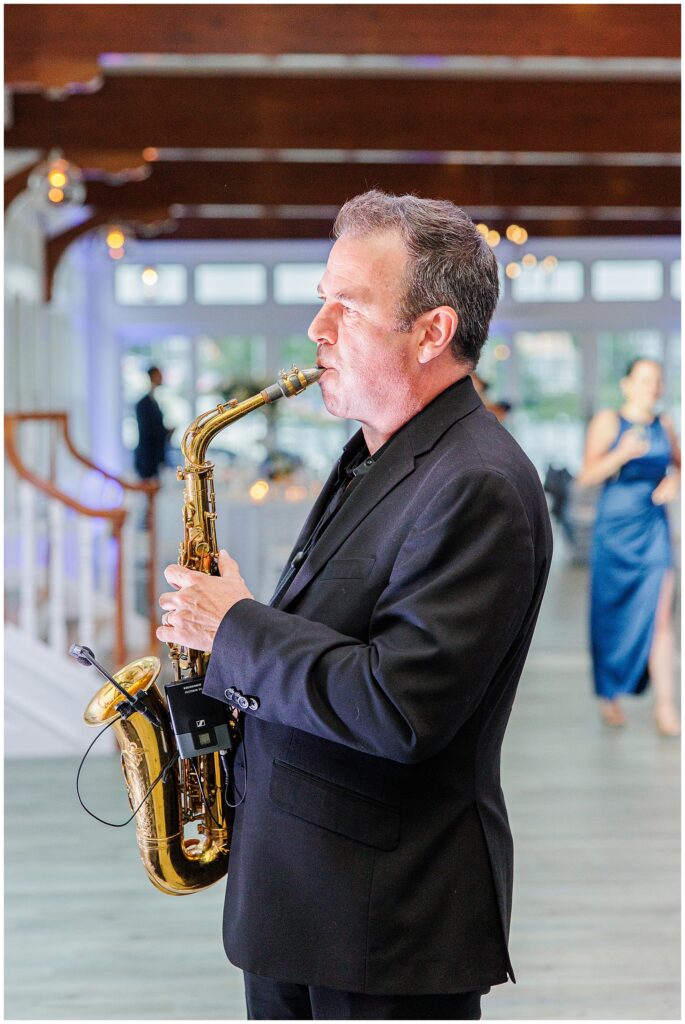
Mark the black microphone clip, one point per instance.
(133, 701)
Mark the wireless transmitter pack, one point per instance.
(200, 722)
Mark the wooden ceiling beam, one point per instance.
(54, 45)
(311, 112)
(280, 183)
(204, 229)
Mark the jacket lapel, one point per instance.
(417, 436)
(320, 505)
(396, 463)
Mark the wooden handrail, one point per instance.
(116, 516)
(62, 419)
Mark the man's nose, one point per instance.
(322, 329)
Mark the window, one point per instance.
(563, 284)
(546, 419)
(230, 284)
(296, 283)
(494, 367)
(297, 350)
(172, 355)
(232, 367)
(225, 362)
(305, 426)
(159, 285)
(627, 280)
(675, 280)
(615, 350)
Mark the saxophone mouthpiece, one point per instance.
(292, 382)
(313, 373)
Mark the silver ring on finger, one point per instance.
(165, 618)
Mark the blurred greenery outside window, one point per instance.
(233, 367)
(615, 350)
(493, 367)
(546, 419)
(549, 365)
(305, 427)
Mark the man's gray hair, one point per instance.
(450, 263)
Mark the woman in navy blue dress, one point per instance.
(631, 591)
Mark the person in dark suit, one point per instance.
(371, 867)
(150, 451)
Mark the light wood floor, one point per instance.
(595, 816)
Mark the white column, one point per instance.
(57, 611)
(86, 589)
(28, 595)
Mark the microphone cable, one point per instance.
(118, 824)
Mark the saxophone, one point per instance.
(178, 862)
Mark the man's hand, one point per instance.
(193, 612)
(667, 490)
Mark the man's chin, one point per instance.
(329, 393)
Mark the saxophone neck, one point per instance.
(204, 429)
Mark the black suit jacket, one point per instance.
(152, 437)
(372, 851)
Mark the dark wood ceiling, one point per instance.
(570, 112)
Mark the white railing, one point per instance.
(72, 566)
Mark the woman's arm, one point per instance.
(669, 487)
(667, 424)
(599, 463)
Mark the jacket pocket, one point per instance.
(334, 807)
(347, 569)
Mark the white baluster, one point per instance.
(57, 612)
(28, 618)
(86, 588)
(128, 556)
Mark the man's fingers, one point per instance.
(166, 634)
(169, 600)
(226, 563)
(179, 575)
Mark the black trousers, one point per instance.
(268, 999)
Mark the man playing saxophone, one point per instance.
(370, 871)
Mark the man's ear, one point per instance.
(439, 329)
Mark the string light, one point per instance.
(150, 276)
(259, 490)
(529, 260)
(512, 270)
(115, 238)
(492, 238)
(501, 352)
(57, 179)
(116, 254)
(150, 153)
(549, 264)
(483, 229)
